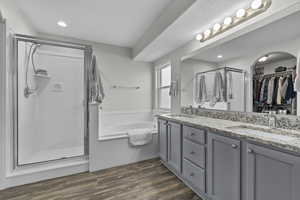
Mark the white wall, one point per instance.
(15, 23)
(189, 68)
(119, 69)
(269, 68)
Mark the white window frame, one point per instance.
(159, 87)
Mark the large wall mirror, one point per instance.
(273, 84)
(254, 72)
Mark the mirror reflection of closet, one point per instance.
(273, 84)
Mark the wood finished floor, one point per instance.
(147, 180)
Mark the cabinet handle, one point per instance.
(192, 174)
(192, 153)
(250, 151)
(234, 146)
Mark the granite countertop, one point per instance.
(284, 139)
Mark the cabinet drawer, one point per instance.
(194, 175)
(194, 152)
(196, 135)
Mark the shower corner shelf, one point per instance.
(38, 76)
(41, 82)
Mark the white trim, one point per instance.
(43, 168)
(51, 53)
(120, 136)
(2, 100)
(158, 86)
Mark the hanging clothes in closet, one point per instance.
(273, 90)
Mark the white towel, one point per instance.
(140, 137)
(218, 90)
(96, 85)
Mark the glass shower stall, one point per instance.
(50, 92)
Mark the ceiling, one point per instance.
(115, 22)
(170, 24)
(276, 32)
(201, 15)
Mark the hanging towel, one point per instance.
(96, 85)
(140, 137)
(230, 93)
(201, 93)
(173, 89)
(218, 90)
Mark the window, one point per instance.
(164, 84)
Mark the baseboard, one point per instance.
(18, 179)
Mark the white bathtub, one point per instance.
(112, 147)
(117, 125)
(121, 130)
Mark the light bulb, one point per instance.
(220, 56)
(228, 21)
(263, 59)
(62, 24)
(199, 36)
(256, 4)
(241, 13)
(217, 27)
(207, 33)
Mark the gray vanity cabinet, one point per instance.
(224, 168)
(272, 175)
(163, 139)
(174, 146)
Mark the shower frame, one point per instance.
(58, 43)
(226, 70)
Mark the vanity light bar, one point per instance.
(257, 7)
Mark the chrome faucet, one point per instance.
(272, 121)
(191, 110)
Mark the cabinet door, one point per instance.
(272, 175)
(163, 140)
(224, 168)
(174, 150)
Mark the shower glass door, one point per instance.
(50, 102)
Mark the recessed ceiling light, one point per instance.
(241, 13)
(217, 27)
(62, 24)
(228, 21)
(256, 4)
(263, 59)
(207, 33)
(199, 36)
(220, 56)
